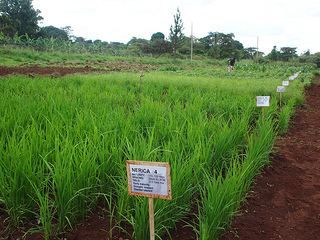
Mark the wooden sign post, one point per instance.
(263, 101)
(151, 218)
(280, 90)
(149, 179)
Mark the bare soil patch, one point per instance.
(72, 68)
(37, 70)
(285, 202)
(98, 225)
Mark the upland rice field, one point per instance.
(64, 142)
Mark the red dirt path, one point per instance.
(285, 202)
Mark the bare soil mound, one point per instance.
(37, 70)
(56, 71)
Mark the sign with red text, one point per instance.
(149, 179)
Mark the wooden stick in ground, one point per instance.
(280, 99)
(151, 218)
(140, 83)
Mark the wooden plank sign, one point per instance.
(149, 179)
(263, 101)
(285, 83)
(281, 89)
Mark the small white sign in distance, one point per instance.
(149, 179)
(285, 83)
(263, 101)
(281, 89)
(291, 78)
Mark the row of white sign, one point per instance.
(264, 101)
(153, 180)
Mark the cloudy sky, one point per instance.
(284, 23)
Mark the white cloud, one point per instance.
(276, 22)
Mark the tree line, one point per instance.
(19, 25)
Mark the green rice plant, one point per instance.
(46, 210)
(285, 115)
(221, 196)
(16, 169)
(230, 134)
(64, 142)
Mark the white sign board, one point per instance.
(291, 78)
(285, 83)
(281, 89)
(263, 101)
(149, 179)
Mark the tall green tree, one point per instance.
(249, 53)
(287, 53)
(176, 35)
(158, 44)
(138, 46)
(21, 15)
(274, 54)
(53, 32)
(221, 45)
(6, 26)
(157, 36)
(306, 53)
(316, 59)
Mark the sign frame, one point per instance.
(151, 164)
(269, 98)
(281, 89)
(285, 83)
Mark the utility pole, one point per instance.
(257, 49)
(191, 44)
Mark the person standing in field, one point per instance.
(231, 63)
